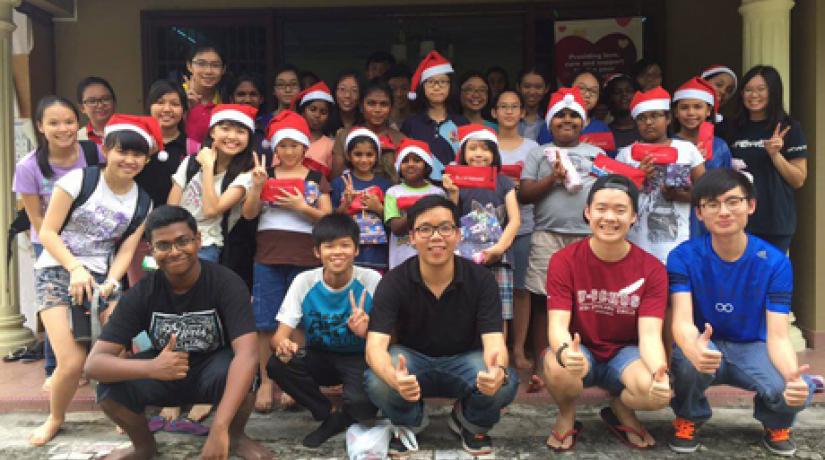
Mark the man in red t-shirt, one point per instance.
(606, 299)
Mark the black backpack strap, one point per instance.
(192, 168)
(144, 203)
(91, 176)
(90, 152)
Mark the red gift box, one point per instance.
(406, 202)
(662, 154)
(512, 171)
(357, 205)
(705, 140)
(603, 165)
(472, 176)
(271, 191)
(316, 166)
(604, 141)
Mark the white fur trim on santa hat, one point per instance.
(715, 70)
(647, 106)
(289, 133)
(567, 102)
(129, 127)
(436, 70)
(362, 132)
(704, 96)
(232, 115)
(479, 135)
(413, 150)
(317, 96)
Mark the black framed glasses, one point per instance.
(444, 229)
(181, 243)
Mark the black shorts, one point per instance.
(204, 383)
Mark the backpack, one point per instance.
(21, 221)
(91, 177)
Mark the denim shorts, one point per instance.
(519, 256)
(211, 253)
(52, 288)
(269, 286)
(607, 375)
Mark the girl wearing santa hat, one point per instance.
(672, 165)
(212, 184)
(724, 82)
(414, 164)
(315, 104)
(694, 105)
(434, 124)
(284, 238)
(89, 235)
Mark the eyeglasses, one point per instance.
(758, 90)
(650, 117)
(593, 91)
(200, 63)
(508, 107)
(92, 101)
(181, 243)
(732, 203)
(440, 83)
(427, 231)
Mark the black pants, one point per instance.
(301, 378)
(204, 383)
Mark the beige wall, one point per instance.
(807, 79)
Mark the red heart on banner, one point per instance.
(614, 52)
(562, 28)
(623, 21)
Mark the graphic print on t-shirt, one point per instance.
(608, 303)
(196, 332)
(90, 230)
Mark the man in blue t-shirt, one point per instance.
(332, 305)
(738, 289)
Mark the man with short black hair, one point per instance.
(378, 63)
(737, 289)
(204, 348)
(445, 313)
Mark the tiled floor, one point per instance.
(20, 389)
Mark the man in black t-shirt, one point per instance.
(204, 347)
(445, 314)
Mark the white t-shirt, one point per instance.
(192, 201)
(661, 224)
(94, 227)
(518, 156)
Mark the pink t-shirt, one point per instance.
(321, 151)
(606, 298)
(29, 180)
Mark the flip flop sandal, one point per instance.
(184, 425)
(574, 433)
(621, 431)
(15, 354)
(535, 385)
(156, 423)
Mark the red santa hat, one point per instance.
(287, 125)
(317, 92)
(239, 113)
(566, 98)
(433, 64)
(409, 146)
(362, 132)
(477, 132)
(655, 99)
(697, 88)
(716, 69)
(147, 127)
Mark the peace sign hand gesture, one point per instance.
(359, 319)
(349, 190)
(259, 172)
(776, 142)
(191, 95)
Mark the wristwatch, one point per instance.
(559, 352)
(506, 375)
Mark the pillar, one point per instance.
(766, 37)
(12, 332)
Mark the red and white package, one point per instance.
(472, 176)
(316, 166)
(662, 154)
(604, 165)
(406, 202)
(512, 171)
(572, 179)
(271, 191)
(604, 140)
(358, 205)
(705, 140)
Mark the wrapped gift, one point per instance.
(372, 229)
(406, 202)
(315, 165)
(604, 140)
(572, 179)
(272, 190)
(512, 171)
(604, 165)
(472, 176)
(705, 140)
(358, 205)
(662, 154)
(480, 230)
(677, 175)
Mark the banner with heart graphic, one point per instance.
(604, 45)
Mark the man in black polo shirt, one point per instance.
(445, 314)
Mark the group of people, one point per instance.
(405, 237)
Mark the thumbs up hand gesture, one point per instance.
(573, 358)
(660, 386)
(796, 390)
(170, 364)
(704, 359)
(406, 384)
(491, 379)
(358, 320)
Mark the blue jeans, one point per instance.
(744, 365)
(269, 286)
(50, 362)
(211, 253)
(608, 374)
(442, 377)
